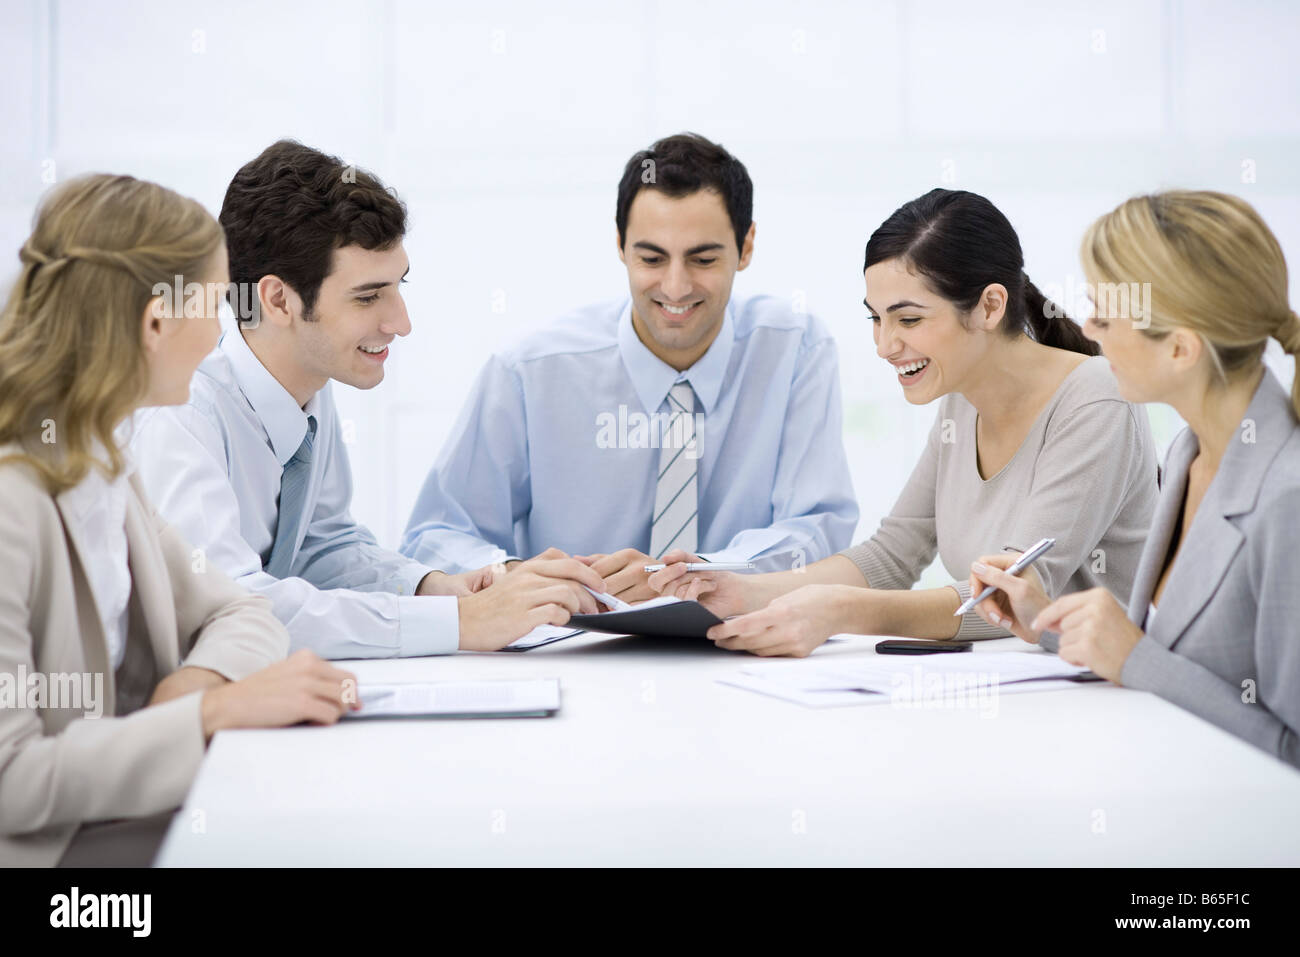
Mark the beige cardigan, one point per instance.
(58, 768)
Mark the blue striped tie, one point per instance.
(293, 492)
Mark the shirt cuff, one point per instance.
(752, 543)
(1144, 664)
(973, 627)
(428, 625)
(410, 576)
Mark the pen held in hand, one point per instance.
(709, 567)
(1024, 561)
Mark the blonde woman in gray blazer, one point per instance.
(121, 650)
(1213, 621)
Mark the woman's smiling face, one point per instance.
(919, 332)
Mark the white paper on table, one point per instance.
(907, 680)
(433, 698)
(887, 673)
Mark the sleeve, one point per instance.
(1089, 465)
(1083, 476)
(221, 626)
(478, 488)
(814, 510)
(1087, 468)
(181, 457)
(336, 551)
(1270, 717)
(906, 542)
(92, 770)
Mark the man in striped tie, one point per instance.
(678, 420)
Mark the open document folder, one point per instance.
(909, 681)
(662, 617)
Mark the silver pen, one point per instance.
(614, 604)
(1020, 564)
(709, 567)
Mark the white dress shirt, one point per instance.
(96, 510)
(213, 467)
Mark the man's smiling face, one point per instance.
(681, 259)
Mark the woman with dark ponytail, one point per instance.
(1032, 440)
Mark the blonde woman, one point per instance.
(121, 651)
(1212, 619)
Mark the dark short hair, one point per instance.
(961, 243)
(683, 164)
(287, 211)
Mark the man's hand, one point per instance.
(726, 594)
(541, 591)
(624, 572)
(466, 583)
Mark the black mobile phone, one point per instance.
(919, 646)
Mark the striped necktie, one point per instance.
(677, 490)
(293, 495)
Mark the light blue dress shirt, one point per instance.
(530, 465)
(213, 468)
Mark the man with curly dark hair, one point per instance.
(254, 470)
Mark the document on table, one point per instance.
(530, 698)
(908, 681)
(664, 617)
(541, 635)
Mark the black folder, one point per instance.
(679, 619)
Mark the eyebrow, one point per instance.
(367, 286)
(899, 305)
(693, 251)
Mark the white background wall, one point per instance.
(505, 126)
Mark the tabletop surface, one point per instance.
(652, 762)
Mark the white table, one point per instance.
(650, 762)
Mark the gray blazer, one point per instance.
(1225, 640)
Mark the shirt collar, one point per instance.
(652, 377)
(285, 423)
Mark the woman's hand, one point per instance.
(1017, 601)
(1095, 631)
(303, 687)
(793, 624)
(183, 681)
(723, 593)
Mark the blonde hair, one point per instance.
(1214, 267)
(71, 357)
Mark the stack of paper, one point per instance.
(941, 680)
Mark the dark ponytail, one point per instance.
(1049, 324)
(961, 243)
